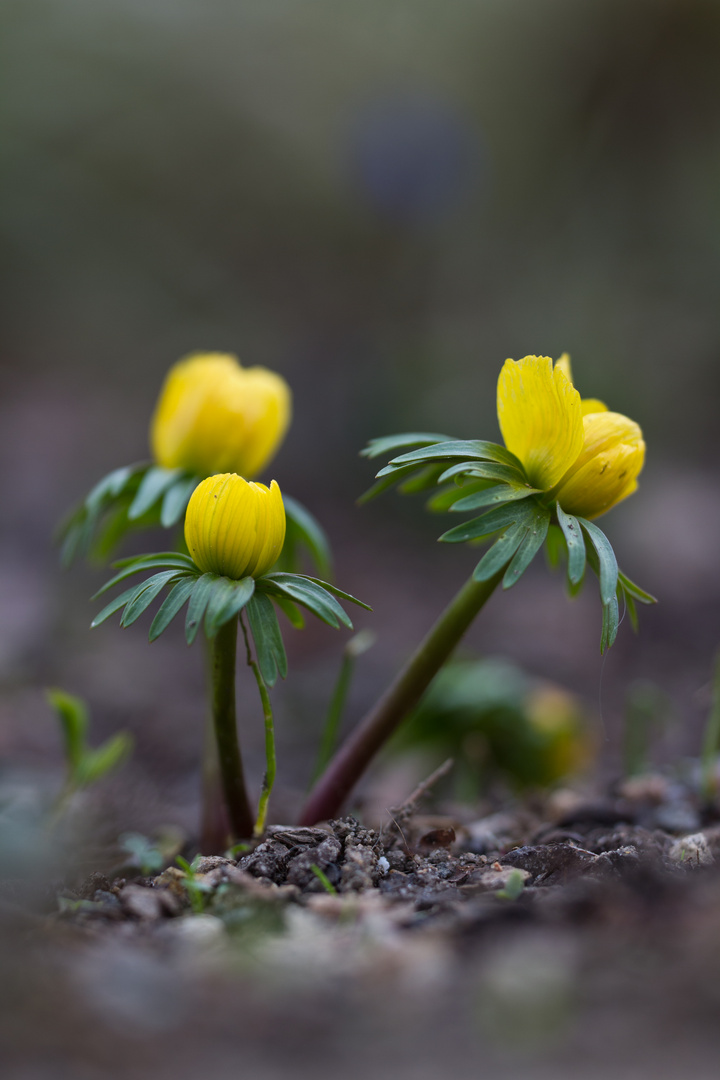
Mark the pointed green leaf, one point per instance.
(500, 554)
(608, 571)
(631, 589)
(227, 599)
(198, 602)
(142, 599)
(306, 592)
(162, 562)
(493, 496)
(115, 605)
(388, 443)
(424, 479)
(171, 605)
(293, 613)
(631, 610)
(609, 624)
(97, 763)
(154, 556)
(310, 533)
(267, 637)
(555, 547)
(575, 544)
(447, 496)
(485, 470)
(338, 592)
(113, 484)
(531, 544)
(154, 483)
(74, 720)
(386, 483)
(490, 523)
(175, 500)
(464, 449)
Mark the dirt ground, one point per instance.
(574, 937)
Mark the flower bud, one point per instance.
(215, 416)
(607, 468)
(234, 527)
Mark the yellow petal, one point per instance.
(215, 416)
(592, 405)
(606, 471)
(563, 364)
(234, 527)
(540, 418)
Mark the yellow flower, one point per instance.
(214, 416)
(576, 451)
(235, 527)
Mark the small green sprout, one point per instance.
(324, 880)
(198, 891)
(85, 764)
(513, 887)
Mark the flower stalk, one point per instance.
(384, 718)
(225, 724)
(270, 758)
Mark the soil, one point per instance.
(563, 938)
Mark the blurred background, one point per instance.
(382, 202)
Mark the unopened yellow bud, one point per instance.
(607, 468)
(215, 416)
(235, 527)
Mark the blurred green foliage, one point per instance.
(494, 720)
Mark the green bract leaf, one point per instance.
(500, 554)
(198, 602)
(167, 561)
(293, 613)
(338, 592)
(631, 610)
(448, 496)
(493, 496)
(308, 531)
(555, 546)
(305, 591)
(492, 522)
(608, 568)
(489, 470)
(227, 599)
(609, 624)
(631, 589)
(113, 485)
(464, 449)
(171, 605)
(529, 547)
(575, 544)
(425, 478)
(387, 482)
(388, 443)
(154, 483)
(154, 556)
(143, 597)
(115, 605)
(176, 499)
(267, 637)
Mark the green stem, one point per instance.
(214, 824)
(223, 708)
(270, 759)
(711, 742)
(375, 729)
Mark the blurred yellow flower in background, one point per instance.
(215, 416)
(579, 453)
(234, 527)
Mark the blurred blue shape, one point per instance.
(414, 156)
